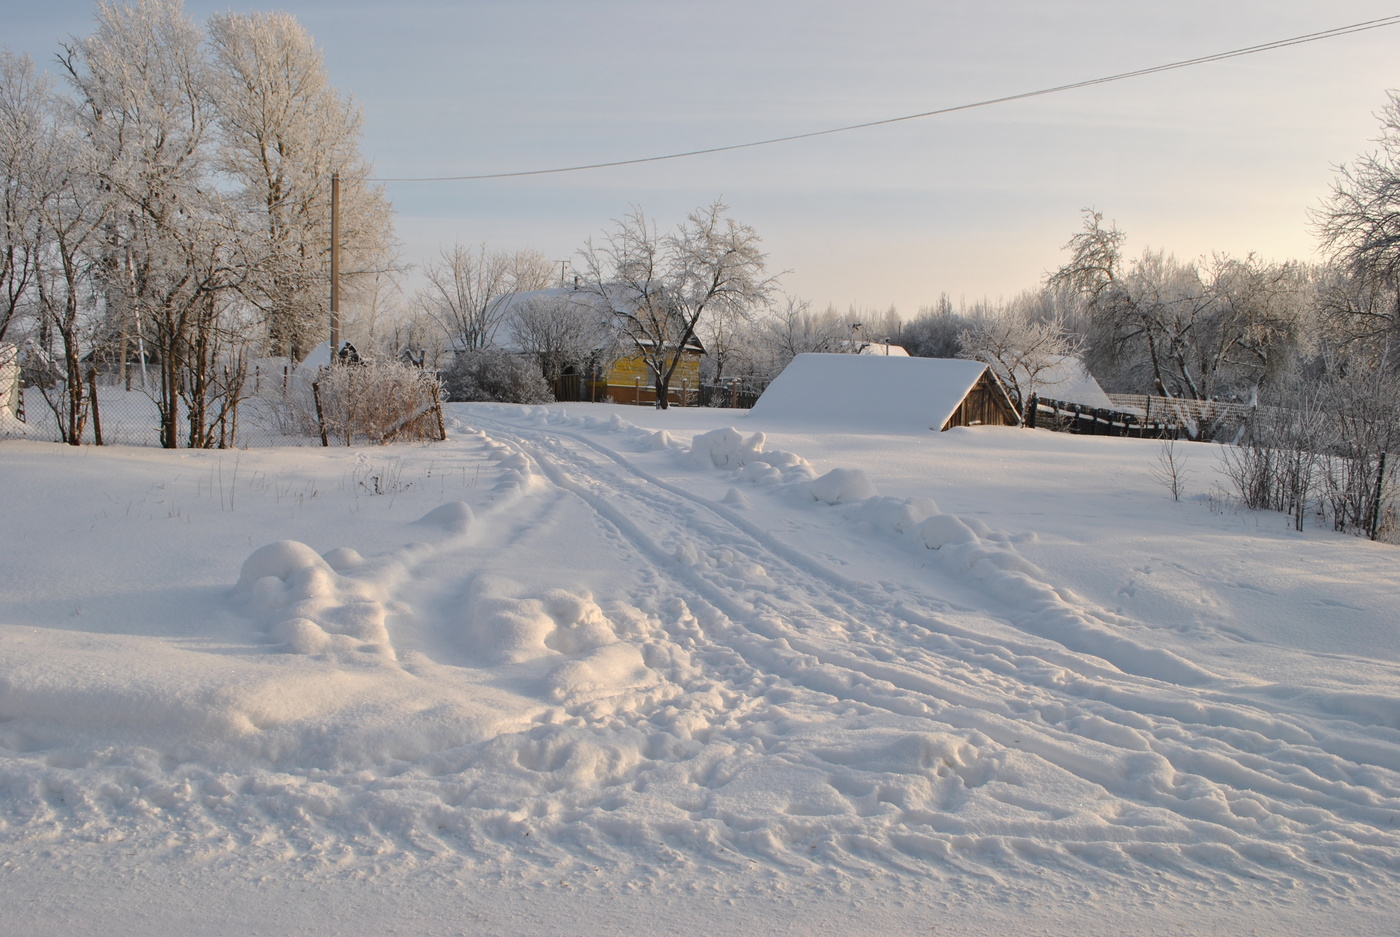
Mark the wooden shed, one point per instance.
(874, 393)
(986, 403)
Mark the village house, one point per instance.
(583, 351)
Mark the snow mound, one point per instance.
(309, 607)
(342, 559)
(280, 561)
(501, 627)
(940, 530)
(517, 471)
(729, 449)
(842, 486)
(725, 448)
(454, 517)
(605, 670)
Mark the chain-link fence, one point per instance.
(122, 417)
(343, 405)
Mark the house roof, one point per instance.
(868, 393)
(882, 348)
(1067, 379)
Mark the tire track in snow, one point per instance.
(1153, 759)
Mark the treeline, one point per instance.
(166, 208)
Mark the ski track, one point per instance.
(741, 704)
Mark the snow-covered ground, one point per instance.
(593, 670)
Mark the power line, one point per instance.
(1088, 83)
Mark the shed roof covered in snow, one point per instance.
(874, 393)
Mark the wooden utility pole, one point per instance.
(335, 264)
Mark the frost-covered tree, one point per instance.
(1020, 342)
(70, 212)
(144, 105)
(176, 203)
(788, 329)
(1212, 329)
(660, 287)
(493, 374)
(935, 331)
(465, 288)
(563, 331)
(283, 131)
(25, 105)
(1358, 225)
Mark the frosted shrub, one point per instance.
(376, 402)
(496, 376)
(1324, 454)
(1276, 465)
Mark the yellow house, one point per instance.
(630, 380)
(603, 363)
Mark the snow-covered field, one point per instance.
(593, 670)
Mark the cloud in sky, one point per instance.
(1227, 156)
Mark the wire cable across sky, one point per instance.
(1087, 83)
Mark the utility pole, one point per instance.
(335, 264)
(563, 272)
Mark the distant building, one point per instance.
(592, 358)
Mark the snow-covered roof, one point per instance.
(1068, 380)
(868, 393)
(883, 348)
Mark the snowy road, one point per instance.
(962, 734)
(562, 650)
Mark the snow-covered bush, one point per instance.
(368, 402)
(497, 376)
(380, 402)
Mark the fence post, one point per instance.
(1031, 411)
(97, 419)
(320, 414)
(1376, 501)
(437, 406)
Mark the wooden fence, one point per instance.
(1065, 417)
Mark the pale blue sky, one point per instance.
(1224, 157)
